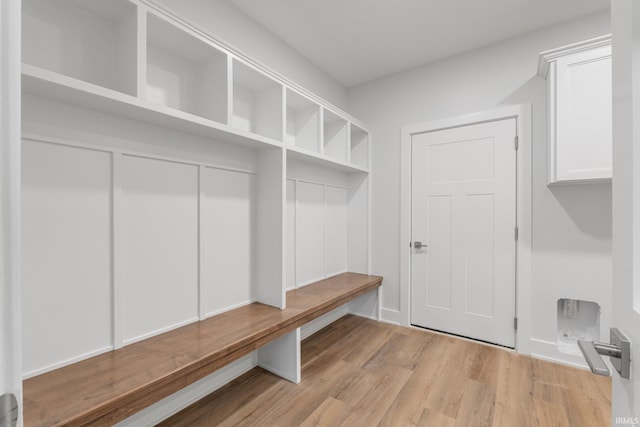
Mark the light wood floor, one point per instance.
(357, 372)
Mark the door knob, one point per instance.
(619, 351)
(419, 245)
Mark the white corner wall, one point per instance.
(227, 22)
(571, 230)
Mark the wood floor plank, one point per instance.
(401, 350)
(434, 419)
(385, 375)
(331, 412)
(448, 384)
(514, 390)
(308, 396)
(226, 401)
(407, 408)
(477, 404)
(484, 365)
(372, 340)
(374, 404)
(550, 414)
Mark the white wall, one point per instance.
(225, 21)
(571, 225)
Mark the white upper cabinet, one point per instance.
(579, 111)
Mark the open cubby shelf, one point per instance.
(359, 146)
(184, 72)
(257, 102)
(303, 122)
(118, 58)
(91, 40)
(335, 136)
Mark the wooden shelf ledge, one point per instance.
(110, 387)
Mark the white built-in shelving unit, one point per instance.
(168, 178)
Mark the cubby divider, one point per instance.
(359, 146)
(335, 136)
(303, 122)
(257, 102)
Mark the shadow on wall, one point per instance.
(588, 206)
(532, 91)
(573, 218)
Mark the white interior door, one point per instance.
(463, 207)
(10, 365)
(626, 202)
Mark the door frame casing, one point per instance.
(522, 114)
(10, 119)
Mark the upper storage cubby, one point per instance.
(303, 122)
(184, 72)
(359, 146)
(138, 61)
(335, 136)
(90, 40)
(257, 102)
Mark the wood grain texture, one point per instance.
(357, 372)
(107, 388)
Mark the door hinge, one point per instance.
(515, 323)
(516, 233)
(516, 142)
(8, 410)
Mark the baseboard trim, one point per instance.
(391, 316)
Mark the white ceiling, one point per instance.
(356, 41)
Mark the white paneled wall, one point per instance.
(310, 222)
(335, 230)
(228, 239)
(159, 246)
(291, 235)
(319, 205)
(66, 254)
(120, 246)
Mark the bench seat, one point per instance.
(112, 386)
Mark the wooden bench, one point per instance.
(110, 387)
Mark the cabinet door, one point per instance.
(580, 115)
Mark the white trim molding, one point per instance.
(548, 56)
(523, 115)
(10, 218)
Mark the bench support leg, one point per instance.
(282, 356)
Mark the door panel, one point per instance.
(464, 209)
(479, 279)
(439, 231)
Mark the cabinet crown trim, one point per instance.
(548, 56)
